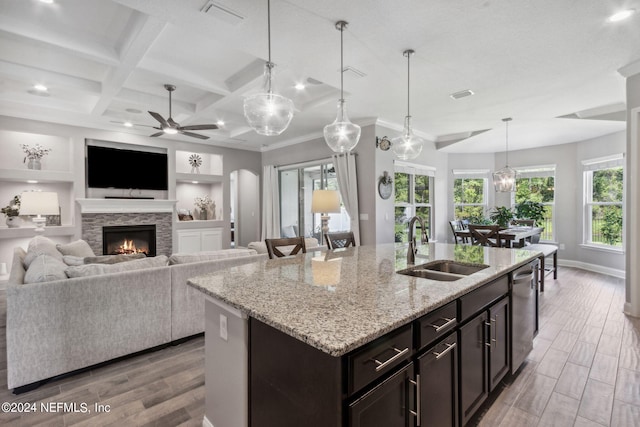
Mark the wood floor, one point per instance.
(584, 371)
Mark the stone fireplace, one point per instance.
(98, 214)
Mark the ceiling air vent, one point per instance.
(461, 94)
(222, 12)
(354, 72)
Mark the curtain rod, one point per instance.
(311, 162)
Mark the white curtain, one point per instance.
(348, 183)
(270, 203)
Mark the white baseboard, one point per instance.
(592, 267)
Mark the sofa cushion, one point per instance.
(16, 275)
(99, 269)
(112, 259)
(41, 245)
(209, 255)
(79, 248)
(45, 268)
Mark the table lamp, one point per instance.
(325, 202)
(39, 203)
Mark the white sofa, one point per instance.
(59, 326)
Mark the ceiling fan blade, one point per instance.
(159, 118)
(157, 134)
(193, 135)
(172, 123)
(198, 127)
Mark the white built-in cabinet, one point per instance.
(205, 239)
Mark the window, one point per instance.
(413, 196)
(470, 194)
(297, 183)
(603, 199)
(537, 184)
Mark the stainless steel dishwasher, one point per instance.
(524, 312)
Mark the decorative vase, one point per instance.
(34, 164)
(13, 221)
(203, 215)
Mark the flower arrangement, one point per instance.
(203, 203)
(386, 178)
(36, 152)
(13, 209)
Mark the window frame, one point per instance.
(471, 174)
(540, 171)
(413, 170)
(588, 168)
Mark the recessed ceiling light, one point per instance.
(128, 124)
(299, 86)
(194, 182)
(462, 94)
(32, 181)
(220, 122)
(40, 88)
(622, 15)
(46, 1)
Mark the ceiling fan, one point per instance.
(170, 127)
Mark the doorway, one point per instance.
(245, 205)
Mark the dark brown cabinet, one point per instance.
(499, 340)
(388, 404)
(474, 387)
(437, 378)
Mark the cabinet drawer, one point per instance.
(378, 358)
(436, 324)
(482, 297)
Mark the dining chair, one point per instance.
(273, 246)
(485, 235)
(340, 240)
(524, 222)
(456, 226)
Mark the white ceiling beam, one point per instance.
(135, 96)
(186, 76)
(32, 74)
(142, 35)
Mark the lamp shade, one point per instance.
(325, 201)
(39, 203)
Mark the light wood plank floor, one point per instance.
(584, 371)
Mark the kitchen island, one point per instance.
(306, 340)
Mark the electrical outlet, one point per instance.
(562, 246)
(223, 327)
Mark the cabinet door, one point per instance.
(212, 239)
(189, 241)
(474, 387)
(438, 384)
(499, 349)
(387, 404)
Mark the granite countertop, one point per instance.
(338, 300)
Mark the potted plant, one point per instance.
(502, 215)
(12, 211)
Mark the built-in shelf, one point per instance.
(125, 205)
(22, 232)
(199, 178)
(24, 175)
(197, 224)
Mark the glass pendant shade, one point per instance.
(268, 113)
(407, 145)
(342, 135)
(504, 180)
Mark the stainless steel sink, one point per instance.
(443, 270)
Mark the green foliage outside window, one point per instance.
(606, 220)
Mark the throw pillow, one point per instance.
(40, 245)
(45, 268)
(112, 259)
(100, 269)
(73, 260)
(78, 248)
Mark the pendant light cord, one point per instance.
(269, 63)
(408, 81)
(341, 62)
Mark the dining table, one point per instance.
(514, 237)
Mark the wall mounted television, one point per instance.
(126, 169)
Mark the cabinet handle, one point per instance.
(494, 320)
(446, 350)
(399, 354)
(448, 322)
(488, 332)
(417, 412)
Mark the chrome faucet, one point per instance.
(413, 249)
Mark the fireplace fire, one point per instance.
(129, 240)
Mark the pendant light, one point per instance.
(342, 135)
(504, 180)
(267, 112)
(407, 145)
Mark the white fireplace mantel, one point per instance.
(126, 205)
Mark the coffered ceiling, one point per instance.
(551, 65)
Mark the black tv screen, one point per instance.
(118, 168)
